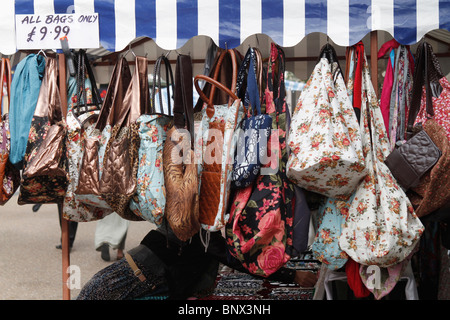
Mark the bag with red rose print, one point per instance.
(325, 141)
(381, 228)
(260, 228)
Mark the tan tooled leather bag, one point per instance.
(215, 176)
(180, 172)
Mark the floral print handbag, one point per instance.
(45, 174)
(150, 198)
(82, 94)
(326, 152)
(259, 232)
(381, 227)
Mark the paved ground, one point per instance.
(31, 266)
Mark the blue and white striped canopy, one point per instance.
(171, 23)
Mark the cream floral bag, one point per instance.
(324, 138)
(381, 228)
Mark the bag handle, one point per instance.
(252, 89)
(183, 109)
(5, 71)
(214, 83)
(169, 84)
(253, 54)
(425, 63)
(83, 65)
(118, 85)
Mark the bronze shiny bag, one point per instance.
(180, 170)
(45, 178)
(91, 169)
(121, 161)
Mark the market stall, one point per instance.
(111, 29)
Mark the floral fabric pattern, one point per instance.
(325, 141)
(382, 227)
(226, 117)
(259, 232)
(41, 189)
(9, 175)
(325, 248)
(150, 198)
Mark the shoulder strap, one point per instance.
(183, 109)
(157, 80)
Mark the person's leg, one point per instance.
(110, 233)
(73, 225)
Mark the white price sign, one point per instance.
(43, 31)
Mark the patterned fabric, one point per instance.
(326, 153)
(400, 96)
(150, 198)
(253, 137)
(441, 107)
(215, 142)
(381, 227)
(259, 231)
(9, 175)
(78, 128)
(326, 249)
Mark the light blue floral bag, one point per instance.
(150, 198)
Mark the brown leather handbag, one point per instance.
(433, 190)
(9, 175)
(214, 135)
(180, 170)
(45, 177)
(120, 165)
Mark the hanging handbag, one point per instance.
(9, 175)
(254, 130)
(118, 182)
(325, 140)
(83, 109)
(91, 169)
(381, 227)
(432, 191)
(149, 201)
(215, 145)
(259, 230)
(45, 174)
(180, 170)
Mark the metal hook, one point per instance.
(43, 53)
(129, 49)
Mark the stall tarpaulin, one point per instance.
(171, 23)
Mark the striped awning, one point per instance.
(171, 23)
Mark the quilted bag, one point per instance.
(91, 168)
(180, 170)
(382, 227)
(259, 231)
(325, 141)
(84, 104)
(149, 200)
(9, 175)
(254, 130)
(45, 173)
(215, 144)
(118, 182)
